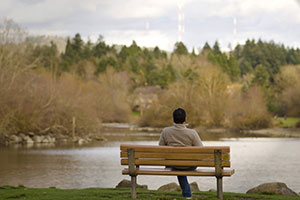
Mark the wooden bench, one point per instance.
(213, 158)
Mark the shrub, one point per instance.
(34, 101)
(249, 110)
(113, 96)
(290, 100)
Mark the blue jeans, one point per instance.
(183, 182)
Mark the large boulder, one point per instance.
(194, 187)
(127, 184)
(175, 187)
(272, 188)
(170, 187)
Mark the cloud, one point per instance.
(122, 21)
(247, 8)
(32, 11)
(142, 38)
(120, 9)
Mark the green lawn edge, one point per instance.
(52, 193)
(289, 122)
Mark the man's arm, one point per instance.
(162, 141)
(197, 141)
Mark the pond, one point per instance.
(256, 161)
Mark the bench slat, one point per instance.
(182, 156)
(169, 149)
(169, 172)
(162, 162)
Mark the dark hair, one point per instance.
(179, 116)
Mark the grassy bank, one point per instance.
(8, 192)
(289, 122)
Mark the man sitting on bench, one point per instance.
(180, 136)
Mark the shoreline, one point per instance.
(80, 139)
(267, 132)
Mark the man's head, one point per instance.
(179, 116)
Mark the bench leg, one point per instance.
(219, 188)
(133, 187)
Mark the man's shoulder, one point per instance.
(191, 130)
(167, 128)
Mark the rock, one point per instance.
(170, 187)
(194, 187)
(22, 136)
(81, 141)
(45, 140)
(42, 137)
(100, 138)
(28, 140)
(13, 139)
(75, 139)
(37, 139)
(127, 184)
(53, 140)
(88, 139)
(212, 190)
(31, 134)
(272, 188)
(50, 139)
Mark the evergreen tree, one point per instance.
(234, 70)
(100, 48)
(74, 52)
(156, 52)
(261, 76)
(216, 48)
(180, 49)
(105, 62)
(206, 47)
(87, 50)
(67, 56)
(77, 45)
(124, 53)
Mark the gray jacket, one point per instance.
(179, 135)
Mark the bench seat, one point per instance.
(169, 172)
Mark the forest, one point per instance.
(43, 87)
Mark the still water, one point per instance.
(256, 161)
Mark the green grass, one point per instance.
(290, 122)
(14, 193)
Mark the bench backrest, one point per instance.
(208, 156)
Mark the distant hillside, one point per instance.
(46, 40)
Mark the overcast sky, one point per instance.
(155, 22)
